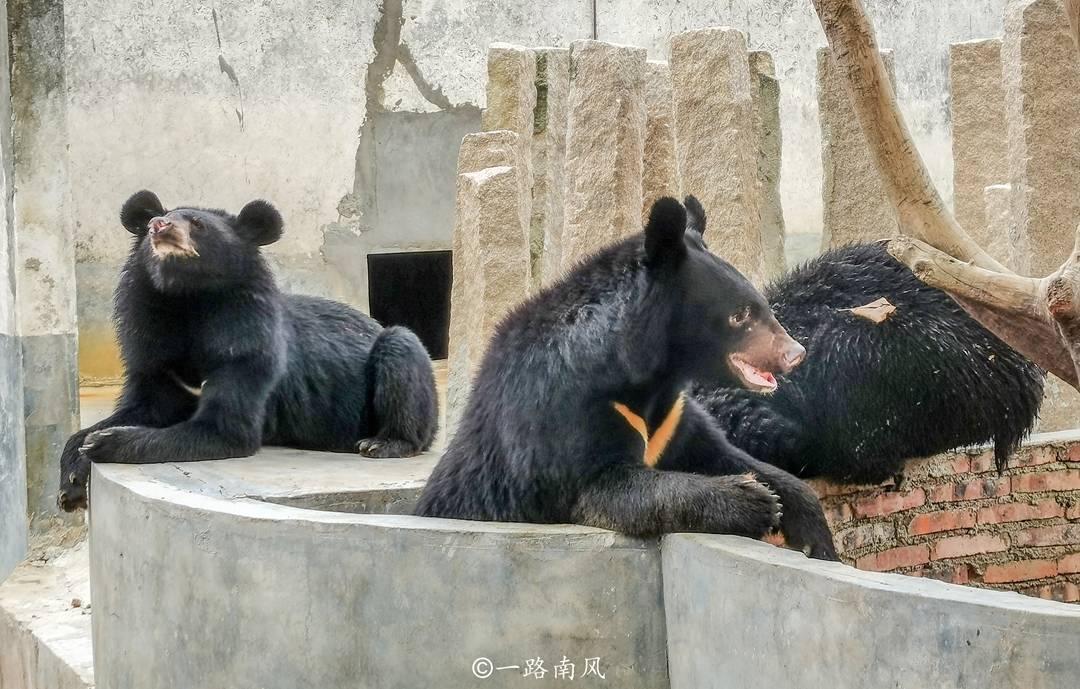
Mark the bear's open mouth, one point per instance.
(752, 377)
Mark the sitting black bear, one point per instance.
(218, 361)
(579, 411)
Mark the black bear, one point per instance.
(579, 411)
(218, 360)
(872, 394)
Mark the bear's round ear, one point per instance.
(259, 223)
(665, 230)
(137, 211)
(695, 215)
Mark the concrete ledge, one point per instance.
(745, 614)
(208, 574)
(44, 639)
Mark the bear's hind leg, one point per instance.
(643, 502)
(401, 385)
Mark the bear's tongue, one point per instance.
(755, 376)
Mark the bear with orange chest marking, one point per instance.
(580, 413)
(218, 361)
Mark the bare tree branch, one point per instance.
(1072, 8)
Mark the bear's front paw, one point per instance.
(110, 444)
(381, 448)
(751, 508)
(74, 490)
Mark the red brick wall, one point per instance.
(954, 518)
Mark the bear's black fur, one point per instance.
(872, 395)
(197, 307)
(543, 438)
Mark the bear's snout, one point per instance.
(792, 355)
(160, 225)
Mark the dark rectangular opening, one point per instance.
(413, 289)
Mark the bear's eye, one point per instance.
(196, 223)
(740, 317)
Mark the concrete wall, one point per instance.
(214, 591)
(13, 521)
(348, 115)
(743, 614)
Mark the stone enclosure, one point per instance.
(574, 143)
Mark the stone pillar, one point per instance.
(1042, 96)
(44, 246)
(548, 161)
(658, 176)
(1042, 109)
(856, 208)
(715, 145)
(511, 104)
(977, 108)
(765, 95)
(605, 140)
(13, 517)
(490, 254)
(1003, 238)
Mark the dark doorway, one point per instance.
(413, 289)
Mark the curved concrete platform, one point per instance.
(746, 614)
(217, 574)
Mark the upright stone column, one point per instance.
(765, 95)
(605, 140)
(856, 208)
(478, 151)
(658, 176)
(1004, 239)
(491, 254)
(548, 161)
(977, 107)
(44, 246)
(715, 141)
(1042, 108)
(1042, 96)
(511, 106)
(13, 517)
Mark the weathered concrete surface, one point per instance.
(791, 32)
(855, 205)
(1042, 95)
(287, 597)
(977, 107)
(44, 233)
(605, 140)
(44, 638)
(13, 522)
(765, 95)
(715, 141)
(659, 176)
(549, 162)
(744, 614)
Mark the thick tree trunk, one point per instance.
(1038, 317)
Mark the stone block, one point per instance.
(605, 141)
(715, 144)
(1003, 238)
(548, 162)
(659, 176)
(765, 96)
(491, 270)
(1042, 100)
(856, 208)
(977, 109)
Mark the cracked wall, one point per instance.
(348, 115)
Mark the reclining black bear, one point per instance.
(218, 361)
